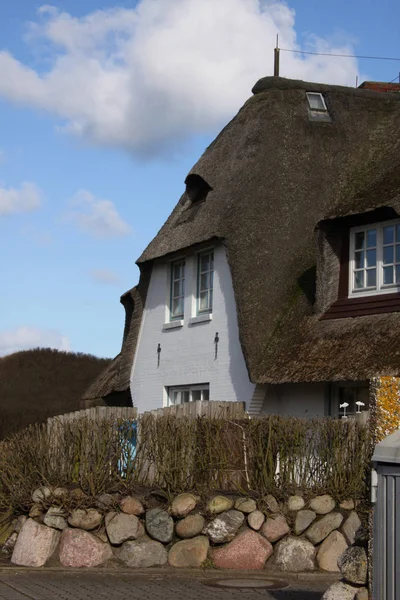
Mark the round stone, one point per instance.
(159, 525)
(275, 528)
(246, 505)
(219, 504)
(322, 505)
(131, 506)
(296, 503)
(224, 527)
(56, 518)
(256, 519)
(85, 519)
(247, 551)
(189, 553)
(189, 527)
(183, 504)
(143, 553)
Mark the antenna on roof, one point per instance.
(276, 57)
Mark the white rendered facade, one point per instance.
(188, 356)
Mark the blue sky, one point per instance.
(104, 108)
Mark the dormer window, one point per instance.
(375, 259)
(196, 188)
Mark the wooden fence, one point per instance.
(203, 408)
(96, 413)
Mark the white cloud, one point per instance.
(25, 338)
(105, 276)
(147, 77)
(97, 217)
(17, 200)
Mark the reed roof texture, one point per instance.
(272, 176)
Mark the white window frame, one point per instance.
(380, 288)
(172, 265)
(320, 110)
(188, 388)
(210, 289)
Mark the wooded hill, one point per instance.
(41, 383)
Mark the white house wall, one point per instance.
(306, 400)
(188, 353)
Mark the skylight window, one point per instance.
(317, 110)
(316, 101)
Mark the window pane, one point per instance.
(196, 395)
(206, 394)
(398, 274)
(211, 299)
(388, 255)
(397, 233)
(388, 234)
(359, 240)
(204, 282)
(177, 288)
(387, 275)
(371, 238)
(204, 262)
(371, 278)
(371, 258)
(315, 101)
(203, 304)
(358, 280)
(176, 398)
(359, 260)
(177, 307)
(177, 270)
(397, 253)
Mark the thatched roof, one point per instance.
(274, 175)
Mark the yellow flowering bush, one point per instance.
(387, 397)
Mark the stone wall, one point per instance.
(226, 532)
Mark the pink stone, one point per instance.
(247, 551)
(275, 528)
(80, 548)
(35, 544)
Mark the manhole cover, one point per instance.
(269, 584)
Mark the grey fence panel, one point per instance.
(386, 540)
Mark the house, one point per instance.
(276, 278)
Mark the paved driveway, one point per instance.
(98, 585)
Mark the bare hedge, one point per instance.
(271, 454)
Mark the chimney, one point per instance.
(380, 86)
